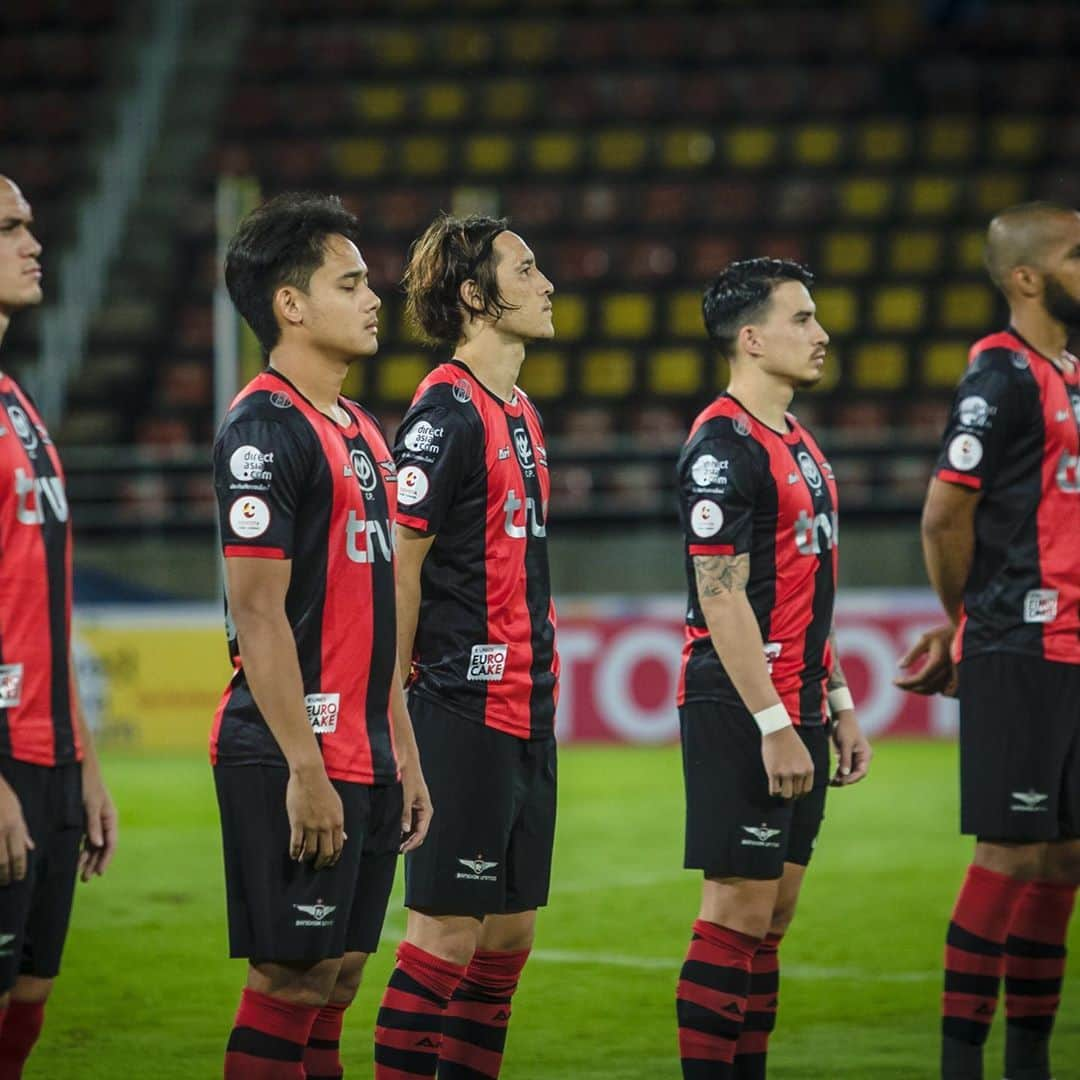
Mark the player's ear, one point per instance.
(288, 305)
(749, 340)
(471, 297)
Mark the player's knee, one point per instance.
(349, 978)
(1063, 863)
(781, 919)
(1025, 862)
(301, 986)
(32, 990)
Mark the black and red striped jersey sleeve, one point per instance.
(996, 400)
(719, 481)
(439, 448)
(261, 470)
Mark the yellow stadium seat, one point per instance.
(608, 372)
(508, 99)
(396, 48)
(400, 374)
(898, 308)
(555, 151)
(544, 374)
(531, 43)
(379, 104)
(915, 252)
(750, 148)
(971, 249)
(932, 196)
(998, 190)
(570, 315)
(837, 308)
(1016, 139)
(880, 365)
(943, 362)
(489, 153)
(684, 314)
(619, 150)
(443, 102)
(467, 46)
(967, 307)
(884, 142)
(675, 370)
(949, 139)
(627, 315)
(866, 197)
(689, 149)
(360, 157)
(425, 155)
(818, 144)
(848, 253)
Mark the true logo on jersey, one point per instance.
(524, 450)
(965, 452)
(322, 712)
(532, 521)
(412, 485)
(708, 471)
(487, 663)
(249, 517)
(706, 518)
(477, 869)
(248, 464)
(1068, 473)
(34, 493)
(364, 472)
(815, 534)
(11, 677)
(26, 431)
(423, 438)
(809, 469)
(974, 412)
(363, 538)
(1040, 605)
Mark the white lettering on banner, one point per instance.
(510, 508)
(360, 536)
(576, 645)
(29, 492)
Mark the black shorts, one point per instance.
(284, 911)
(1019, 748)
(35, 912)
(492, 834)
(734, 827)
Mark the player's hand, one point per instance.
(853, 750)
(787, 764)
(937, 673)
(417, 809)
(100, 824)
(15, 841)
(316, 817)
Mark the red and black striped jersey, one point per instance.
(747, 489)
(1014, 436)
(36, 681)
(293, 484)
(472, 470)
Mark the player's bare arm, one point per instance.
(101, 820)
(256, 589)
(412, 550)
(853, 750)
(416, 801)
(948, 537)
(721, 582)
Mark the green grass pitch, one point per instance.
(147, 990)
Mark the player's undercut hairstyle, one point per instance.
(450, 252)
(1020, 235)
(741, 294)
(282, 242)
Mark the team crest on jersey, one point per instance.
(281, 400)
(1068, 473)
(364, 472)
(487, 663)
(26, 431)
(741, 424)
(1019, 361)
(809, 470)
(11, 677)
(462, 391)
(524, 450)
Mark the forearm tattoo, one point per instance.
(836, 676)
(719, 574)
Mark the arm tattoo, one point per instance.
(836, 676)
(718, 574)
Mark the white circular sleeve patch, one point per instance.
(965, 452)
(246, 463)
(412, 485)
(706, 470)
(249, 517)
(706, 519)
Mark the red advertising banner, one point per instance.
(620, 663)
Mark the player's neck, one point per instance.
(317, 377)
(1040, 330)
(496, 362)
(764, 396)
(5, 322)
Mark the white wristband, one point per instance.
(774, 718)
(840, 699)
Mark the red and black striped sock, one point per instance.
(268, 1038)
(761, 1004)
(322, 1055)
(22, 1022)
(474, 1027)
(408, 1030)
(711, 999)
(1034, 973)
(974, 963)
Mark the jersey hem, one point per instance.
(45, 763)
(472, 717)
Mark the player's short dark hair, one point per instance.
(450, 252)
(282, 242)
(741, 294)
